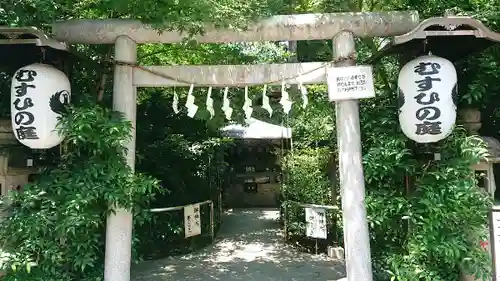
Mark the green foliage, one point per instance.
(314, 123)
(446, 196)
(420, 234)
(306, 180)
(427, 232)
(171, 14)
(56, 230)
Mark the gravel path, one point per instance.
(249, 247)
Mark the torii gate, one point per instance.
(339, 27)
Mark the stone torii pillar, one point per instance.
(352, 184)
(119, 225)
(125, 34)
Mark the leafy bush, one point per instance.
(447, 217)
(56, 230)
(307, 182)
(426, 218)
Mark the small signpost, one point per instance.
(192, 220)
(495, 241)
(316, 223)
(350, 82)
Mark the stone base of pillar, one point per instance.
(335, 252)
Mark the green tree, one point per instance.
(56, 230)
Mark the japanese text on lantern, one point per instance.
(428, 114)
(23, 118)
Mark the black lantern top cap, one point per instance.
(451, 37)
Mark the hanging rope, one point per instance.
(183, 81)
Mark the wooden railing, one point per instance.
(303, 205)
(178, 208)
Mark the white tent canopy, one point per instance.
(256, 129)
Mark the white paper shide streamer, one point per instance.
(175, 103)
(210, 103)
(247, 106)
(226, 107)
(191, 107)
(265, 101)
(285, 99)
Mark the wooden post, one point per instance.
(212, 221)
(119, 225)
(316, 246)
(220, 202)
(285, 227)
(356, 236)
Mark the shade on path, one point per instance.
(249, 247)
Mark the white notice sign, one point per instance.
(495, 241)
(316, 223)
(192, 220)
(350, 82)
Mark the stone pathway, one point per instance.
(249, 247)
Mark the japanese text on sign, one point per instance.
(192, 220)
(352, 82)
(23, 118)
(316, 223)
(428, 114)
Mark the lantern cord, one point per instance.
(42, 50)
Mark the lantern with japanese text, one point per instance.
(427, 98)
(39, 94)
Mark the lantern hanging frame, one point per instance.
(28, 35)
(467, 36)
(26, 45)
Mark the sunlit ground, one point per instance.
(249, 247)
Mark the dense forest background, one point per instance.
(415, 236)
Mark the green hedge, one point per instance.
(306, 181)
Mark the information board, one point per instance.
(350, 82)
(495, 241)
(192, 220)
(316, 223)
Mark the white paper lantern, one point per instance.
(427, 91)
(38, 94)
